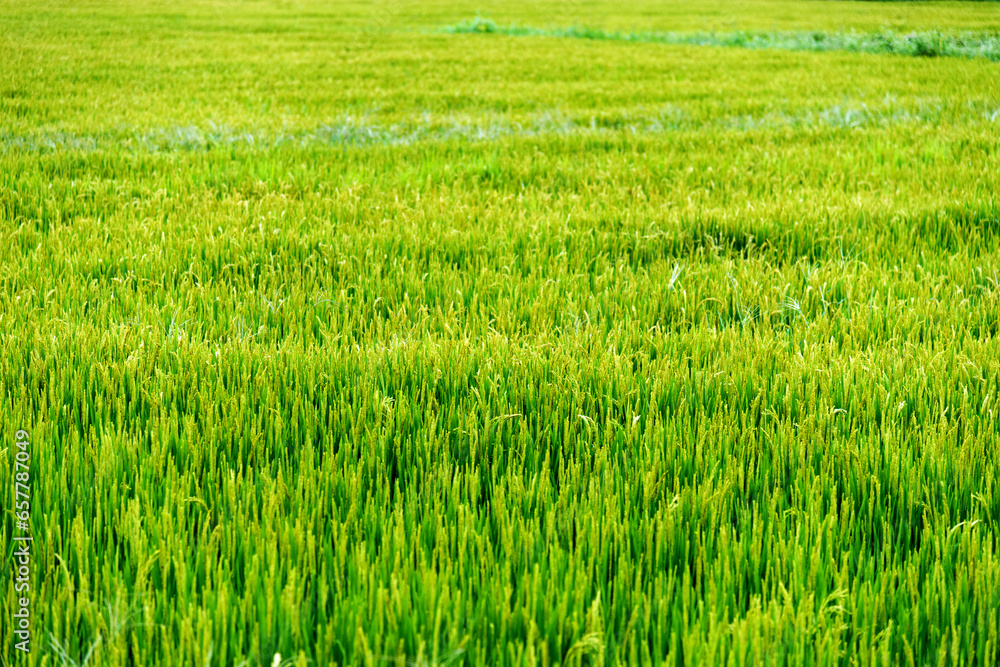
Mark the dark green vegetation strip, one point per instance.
(922, 43)
(548, 125)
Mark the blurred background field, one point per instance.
(344, 337)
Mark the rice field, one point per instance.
(535, 334)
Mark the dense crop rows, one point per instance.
(345, 339)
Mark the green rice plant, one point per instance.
(344, 341)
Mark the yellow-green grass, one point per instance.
(345, 339)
